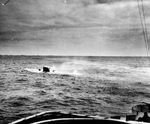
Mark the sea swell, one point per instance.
(105, 86)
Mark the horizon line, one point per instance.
(77, 55)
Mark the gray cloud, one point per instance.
(95, 23)
(71, 12)
(103, 1)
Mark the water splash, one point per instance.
(60, 70)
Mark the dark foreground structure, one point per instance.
(139, 115)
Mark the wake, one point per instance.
(55, 70)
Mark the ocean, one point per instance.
(103, 86)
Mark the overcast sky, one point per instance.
(72, 27)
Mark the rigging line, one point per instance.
(143, 27)
(145, 24)
(142, 23)
(144, 19)
(5, 2)
(146, 32)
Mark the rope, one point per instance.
(144, 18)
(143, 24)
(5, 2)
(146, 30)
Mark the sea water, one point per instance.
(104, 86)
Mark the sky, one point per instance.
(72, 27)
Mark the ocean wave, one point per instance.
(103, 86)
(21, 80)
(17, 101)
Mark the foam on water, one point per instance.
(56, 70)
(95, 69)
(34, 70)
